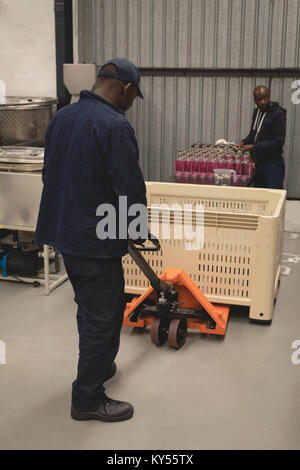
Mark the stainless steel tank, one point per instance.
(24, 120)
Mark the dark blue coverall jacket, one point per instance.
(91, 158)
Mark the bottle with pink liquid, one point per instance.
(238, 164)
(194, 168)
(187, 166)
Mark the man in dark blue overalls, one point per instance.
(266, 139)
(91, 158)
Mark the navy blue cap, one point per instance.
(126, 71)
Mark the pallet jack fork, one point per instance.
(172, 305)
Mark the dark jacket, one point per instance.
(91, 158)
(267, 133)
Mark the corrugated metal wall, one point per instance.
(186, 105)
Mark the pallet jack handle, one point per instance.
(157, 284)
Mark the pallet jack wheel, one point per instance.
(159, 331)
(177, 333)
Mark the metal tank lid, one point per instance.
(16, 102)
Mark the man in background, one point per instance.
(266, 139)
(91, 159)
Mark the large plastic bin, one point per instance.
(240, 261)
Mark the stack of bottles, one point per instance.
(214, 164)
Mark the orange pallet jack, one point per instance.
(172, 305)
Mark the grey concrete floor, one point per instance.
(240, 392)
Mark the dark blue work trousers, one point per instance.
(99, 292)
(270, 175)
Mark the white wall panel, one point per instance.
(27, 47)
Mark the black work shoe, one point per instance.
(108, 410)
(112, 371)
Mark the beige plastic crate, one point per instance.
(240, 261)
